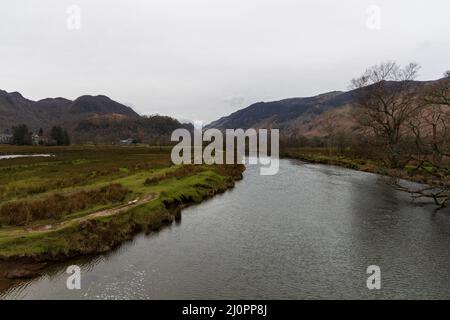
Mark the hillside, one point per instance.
(297, 116)
(16, 109)
(110, 129)
(88, 119)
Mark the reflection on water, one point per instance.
(308, 232)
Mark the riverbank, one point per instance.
(347, 160)
(277, 237)
(156, 192)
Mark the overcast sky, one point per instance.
(203, 59)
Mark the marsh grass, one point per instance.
(79, 180)
(55, 206)
(178, 172)
(72, 167)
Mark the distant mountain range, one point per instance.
(297, 116)
(96, 119)
(15, 110)
(99, 119)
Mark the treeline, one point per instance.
(60, 136)
(154, 130)
(21, 135)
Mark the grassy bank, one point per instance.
(92, 227)
(348, 160)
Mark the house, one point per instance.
(127, 142)
(6, 138)
(35, 139)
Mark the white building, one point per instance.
(126, 142)
(35, 139)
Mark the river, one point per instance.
(308, 232)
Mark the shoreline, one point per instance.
(101, 234)
(105, 233)
(363, 165)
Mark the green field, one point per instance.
(88, 199)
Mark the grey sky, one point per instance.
(203, 59)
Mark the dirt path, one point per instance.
(102, 213)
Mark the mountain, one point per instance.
(88, 119)
(294, 116)
(298, 116)
(282, 114)
(16, 109)
(100, 105)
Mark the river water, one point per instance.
(310, 231)
(14, 156)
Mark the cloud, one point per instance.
(201, 59)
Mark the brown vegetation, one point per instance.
(431, 136)
(55, 206)
(386, 102)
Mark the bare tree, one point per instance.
(329, 126)
(438, 93)
(386, 100)
(430, 129)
